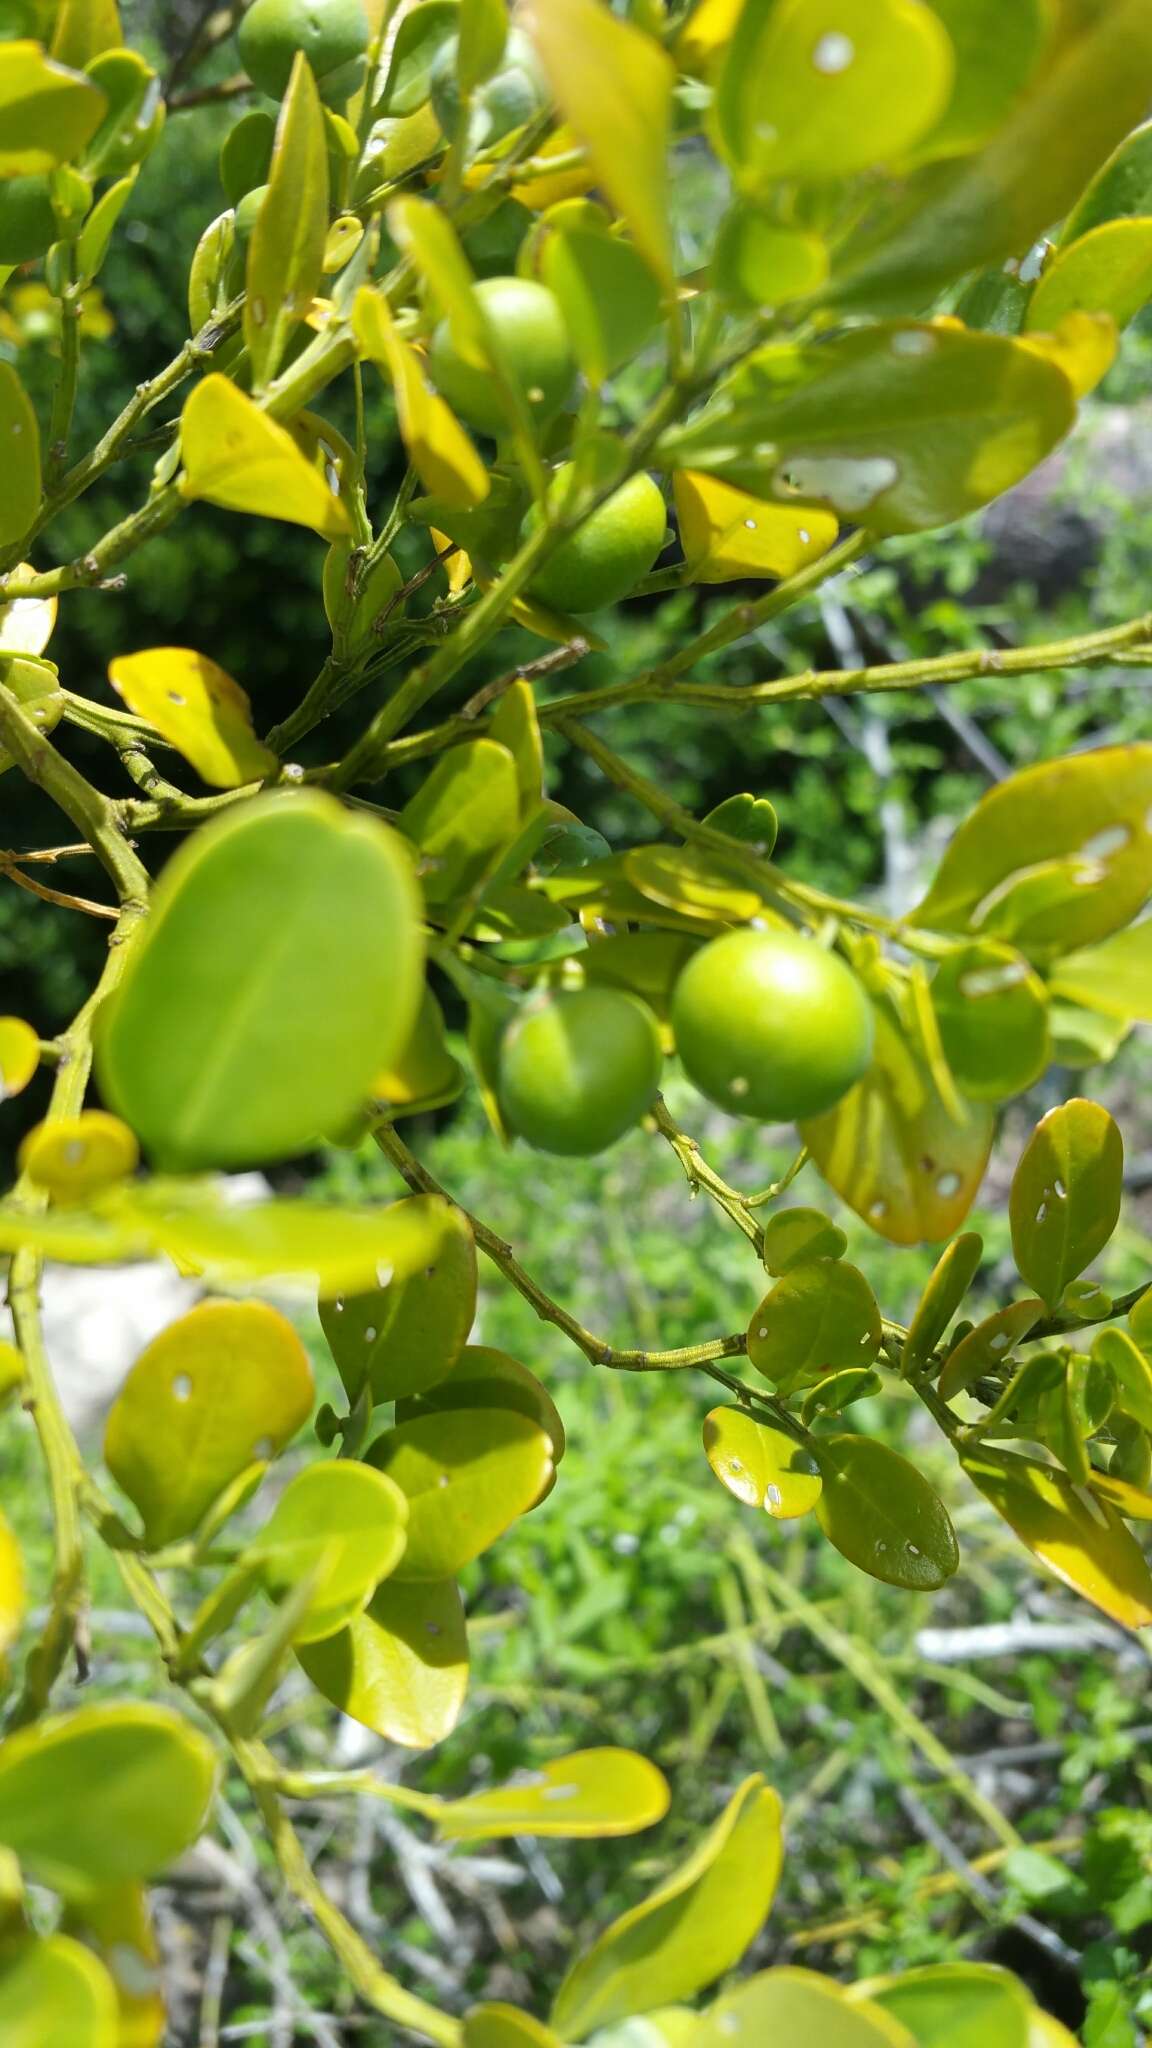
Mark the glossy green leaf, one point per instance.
(341, 1521)
(505, 2026)
(1085, 1545)
(104, 1794)
(425, 1075)
(1065, 1198)
(882, 1515)
(1131, 1372)
(687, 1932)
(1115, 977)
(895, 426)
(236, 456)
(135, 117)
(483, 1377)
(207, 294)
(400, 1667)
(944, 1290)
(817, 1319)
(795, 2006)
(757, 263)
(750, 819)
(84, 29)
(728, 534)
(467, 1475)
(613, 85)
(35, 685)
(822, 89)
(286, 253)
(762, 1467)
(693, 881)
(839, 1391)
(403, 1338)
(953, 218)
(1108, 270)
(954, 2005)
(462, 816)
(56, 1990)
(96, 235)
(420, 35)
(609, 296)
(47, 112)
(987, 1346)
(670, 2026)
(794, 1237)
(1085, 818)
(992, 1014)
(593, 1792)
(514, 725)
(19, 441)
(280, 967)
(1061, 1422)
(198, 708)
(223, 1387)
(342, 1249)
(1121, 189)
(1140, 1321)
(995, 52)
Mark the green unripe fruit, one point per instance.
(578, 1070)
(247, 211)
(27, 221)
(512, 96)
(331, 33)
(530, 333)
(607, 556)
(769, 1025)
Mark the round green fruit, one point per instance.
(27, 221)
(331, 33)
(607, 556)
(528, 326)
(578, 1070)
(769, 1025)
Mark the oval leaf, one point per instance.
(763, 1467)
(945, 1289)
(403, 1338)
(57, 1990)
(342, 1522)
(236, 456)
(198, 708)
(1085, 1544)
(401, 1667)
(954, 2005)
(819, 1318)
(1065, 1198)
(882, 1515)
(794, 1237)
(594, 1792)
(987, 1346)
(467, 1476)
(798, 2006)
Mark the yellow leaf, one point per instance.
(19, 1055)
(1079, 1538)
(727, 534)
(1083, 345)
(47, 113)
(539, 193)
(26, 622)
(11, 1587)
(707, 33)
(442, 454)
(85, 29)
(613, 84)
(235, 456)
(198, 708)
(457, 567)
(73, 1156)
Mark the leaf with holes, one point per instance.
(400, 1667)
(237, 457)
(104, 1795)
(198, 709)
(817, 1319)
(794, 1237)
(593, 1792)
(467, 1475)
(286, 253)
(789, 2005)
(687, 1932)
(226, 1386)
(343, 1523)
(991, 1011)
(894, 1154)
(727, 534)
(1065, 1198)
(988, 1345)
(75, 1156)
(882, 1515)
(944, 1290)
(403, 1338)
(1085, 1544)
(761, 1467)
(486, 1378)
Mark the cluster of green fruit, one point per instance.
(767, 1025)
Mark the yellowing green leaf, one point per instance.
(794, 1237)
(505, 2026)
(222, 1388)
(441, 452)
(467, 1474)
(995, 52)
(1084, 346)
(74, 1156)
(85, 29)
(198, 708)
(1131, 1373)
(953, 2005)
(882, 1515)
(988, 1345)
(825, 88)
(991, 1010)
(105, 1794)
(340, 1524)
(56, 1990)
(403, 1338)
(759, 264)
(286, 253)
(762, 1467)
(613, 85)
(12, 1588)
(26, 622)
(693, 881)
(281, 966)
(35, 684)
(236, 456)
(1109, 270)
(19, 1055)
(514, 725)
(116, 1925)
(1084, 1543)
(594, 1792)
(1081, 822)
(1115, 977)
(485, 1378)
(464, 813)
(1065, 1197)
(944, 1290)
(342, 1249)
(47, 113)
(425, 1075)
(727, 534)
(401, 1667)
(687, 1932)
(1121, 188)
(798, 2006)
(19, 432)
(817, 1319)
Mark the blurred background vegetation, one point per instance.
(963, 1774)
